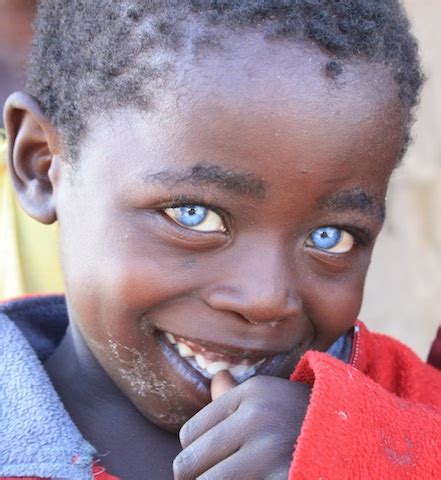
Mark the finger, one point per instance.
(237, 465)
(247, 463)
(232, 467)
(221, 383)
(208, 450)
(214, 413)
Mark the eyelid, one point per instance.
(178, 201)
(186, 238)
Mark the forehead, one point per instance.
(281, 86)
(247, 63)
(251, 98)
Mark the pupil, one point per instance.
(324, 235)
(191, 211)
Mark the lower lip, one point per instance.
(182, 367)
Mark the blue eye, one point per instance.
(196, 217)
(191, 215)
(331, 239)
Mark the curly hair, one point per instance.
(120, 52)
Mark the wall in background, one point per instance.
(403, 291)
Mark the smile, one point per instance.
(208, 362)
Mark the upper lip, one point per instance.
(243, 352)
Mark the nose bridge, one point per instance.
(260, 286)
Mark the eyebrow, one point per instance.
(244, 184)
(356, 200)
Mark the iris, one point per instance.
(191, 215)
(325, 237)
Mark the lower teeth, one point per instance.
(239, 372)
(208, 369)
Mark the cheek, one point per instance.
(112, 308)
(334, 307)
(114, 295)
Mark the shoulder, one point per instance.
(40, 319)
(383, 405)
(374, 358)
(397, 368)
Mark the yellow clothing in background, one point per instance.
(28, 250)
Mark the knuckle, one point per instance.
(183, 463)
(208, 476)
(186, 433)
(178, 469)
(249, 413)
(276, 463)
(280, 473)
(253, 384)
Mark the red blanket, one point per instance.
(379, 417)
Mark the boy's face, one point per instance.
(239, 217)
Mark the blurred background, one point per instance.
(403, 291)
(15, 38)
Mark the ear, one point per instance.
(33, 150)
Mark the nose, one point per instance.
(259, 287)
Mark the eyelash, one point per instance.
(362, 237)
(184, 200)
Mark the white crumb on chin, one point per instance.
(138, 372)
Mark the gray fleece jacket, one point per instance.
(37, 436)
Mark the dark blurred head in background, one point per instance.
(16, 17)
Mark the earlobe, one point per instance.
(33, 151)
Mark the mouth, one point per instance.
(209, 359)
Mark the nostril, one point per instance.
(253, 305)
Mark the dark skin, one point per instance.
(274, 150)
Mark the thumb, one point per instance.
(221, 383)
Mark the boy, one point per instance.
(218, 174)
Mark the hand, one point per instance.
(248, 431)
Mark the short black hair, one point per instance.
(105, 53)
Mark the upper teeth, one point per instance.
(200, 360)
(209, 368)
(184, 350)
(171, 338)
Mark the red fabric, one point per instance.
(379, 417)
(435, 353)
(98, 473)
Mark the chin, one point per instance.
(171, 421)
